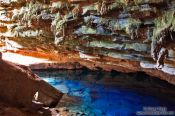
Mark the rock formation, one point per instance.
(18, 86)
(123, 35)
(0, 55)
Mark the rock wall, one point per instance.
(19, 85)
(118, 35)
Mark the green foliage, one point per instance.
(122, 2)
(126, 2)
(104, 21)
(130, 22)
(88, 30)
(113, 6)
(58, 23)
(115, 25)
(134, 8)
(136, 2)
(141, 1)
(133, 22)
(58, 4)
(29, 12)
(161, 23)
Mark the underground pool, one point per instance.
(101, 93)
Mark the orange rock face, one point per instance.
(18, 86)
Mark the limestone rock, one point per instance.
(126, 32)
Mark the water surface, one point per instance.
(111, 93)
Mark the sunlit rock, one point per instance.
(18, 85)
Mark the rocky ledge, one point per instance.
(92, 62)
(23, 92)
(122, 35)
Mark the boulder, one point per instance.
(18, 86)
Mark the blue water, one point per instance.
(106, 94)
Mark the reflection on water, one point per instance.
(111, 94)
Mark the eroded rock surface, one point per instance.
(19, 85)
(110, 35)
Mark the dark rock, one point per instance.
(18, 87)
(37, 105)
(0, 55)
(46, 112)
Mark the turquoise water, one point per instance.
(111, 94)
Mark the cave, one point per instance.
(87, 57)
